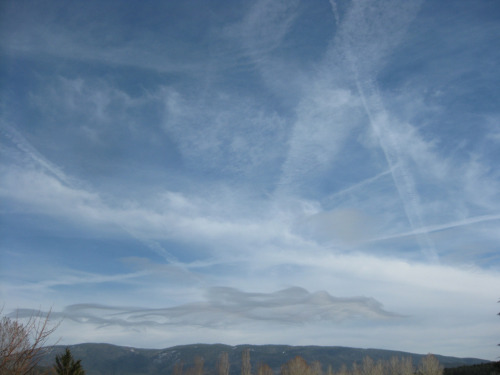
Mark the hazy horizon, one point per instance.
(263, 172)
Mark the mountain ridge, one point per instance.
(101, 358)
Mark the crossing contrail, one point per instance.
(401, 175)
(380, 123)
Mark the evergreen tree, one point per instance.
(66, 365)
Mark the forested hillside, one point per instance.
(104, 359)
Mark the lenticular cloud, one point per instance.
(229, 306)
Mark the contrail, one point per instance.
(335, 12)
(440, 227)
(379, 122)
(27, 149)
(359, 184)
(154, 246)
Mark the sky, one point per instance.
(253, 172)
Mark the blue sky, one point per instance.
(288, 172)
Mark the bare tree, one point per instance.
(406, 366)
(356, 370)
(22, 344)
(370, 367)
(198, 365)
(264, 369)
(343, 370)
(197, 369)
(177, 370)
(246, 367)
(399, 366)
(223, 364)
(296, 366)
(429, 365)
(316, 368)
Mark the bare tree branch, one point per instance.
(22, 344)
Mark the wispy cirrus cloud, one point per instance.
(324, 122)
(234, 135)
(28, 36)
(168, 215)
(265, 27)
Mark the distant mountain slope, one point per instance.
(105, 359)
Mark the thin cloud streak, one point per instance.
(77, 278)
(26, 149)
(437, 228)
(359, 185)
